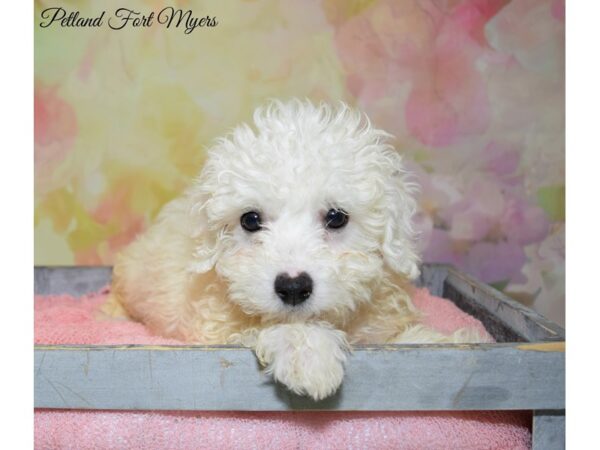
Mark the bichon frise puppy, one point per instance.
(296, 239)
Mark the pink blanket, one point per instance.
(67, 320)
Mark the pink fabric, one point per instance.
(444, 316)
(67, 320)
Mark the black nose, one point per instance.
(293, 291)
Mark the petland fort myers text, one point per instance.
(123, 18)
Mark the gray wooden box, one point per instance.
(525, 369)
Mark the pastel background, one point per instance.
(473, 90)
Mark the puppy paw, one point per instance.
(470, 336)
(420, 334)
(307, 358)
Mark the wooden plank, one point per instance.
(548, 430)
(392, 377)
(75, 281)
(492, 307)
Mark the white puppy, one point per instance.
(296, 239)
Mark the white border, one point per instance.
(16, 245)
(583, 222)
(583, 310)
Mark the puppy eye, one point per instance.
(335, 218)
(251, 221)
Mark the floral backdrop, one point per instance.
(473, 90)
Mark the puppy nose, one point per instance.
(293, 291)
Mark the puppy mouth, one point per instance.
(293, 311)
(296, 313)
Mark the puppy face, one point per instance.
(301, 217)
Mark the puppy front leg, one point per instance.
(307, 358)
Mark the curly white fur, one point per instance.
(197, 275)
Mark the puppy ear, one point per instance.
(211, 238)
(207, 244)
(399, 235)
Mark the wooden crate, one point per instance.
(525, 369)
